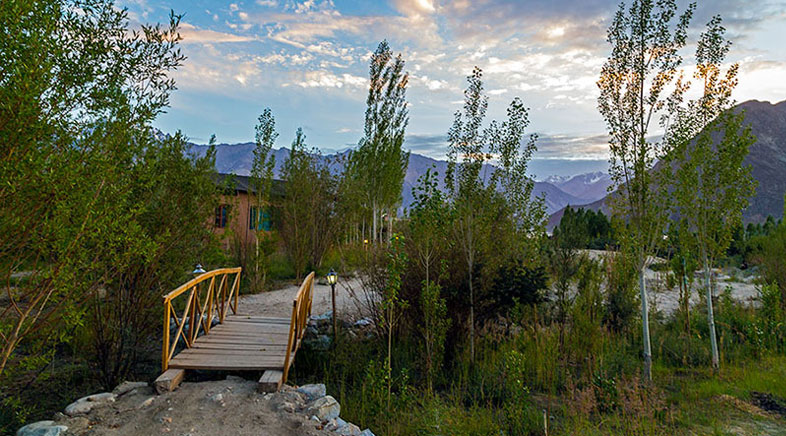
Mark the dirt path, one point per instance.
(278, 303)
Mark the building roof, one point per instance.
(244, 184)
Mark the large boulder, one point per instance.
(325, 408)
(41, 428)
(314, 391)
(84, 405)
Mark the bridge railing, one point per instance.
(204, 302)
(301, 312)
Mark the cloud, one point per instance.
(563, 146)
(428, 145)
(325, 79)
(193, 34)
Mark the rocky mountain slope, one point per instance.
(767, 158)
(590, 186)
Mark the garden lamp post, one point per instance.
(332, 278)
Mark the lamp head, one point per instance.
(198, 269)
(332, 277)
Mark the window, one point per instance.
(221, 215)
(258, 219)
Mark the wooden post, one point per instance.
(192, 315)
(165, 350)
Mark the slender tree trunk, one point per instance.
(390, 223)
(374, 221)
(390, 342)
(471, 319)
(645, 324)
(710, 315)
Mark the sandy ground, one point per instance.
(278, 303)
(666, 299)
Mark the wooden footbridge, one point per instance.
(208, 337)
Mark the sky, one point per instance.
(308, 61)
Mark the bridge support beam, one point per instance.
(270, 381)
(169, 380)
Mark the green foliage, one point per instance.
(157, 234)
(493, 215)
(75, 129)
(307, 221)
(434, 328)
(515, 283)
(621, 292)
(583, 228)
(773, 251)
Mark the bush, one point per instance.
(280, 267)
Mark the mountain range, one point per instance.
(767, 158)
(558, 192)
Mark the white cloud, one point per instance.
(326, 79)
(193, 34)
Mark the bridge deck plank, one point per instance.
(242, 342)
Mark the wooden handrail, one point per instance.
(200, 313)
(301, 312)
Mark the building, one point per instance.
(238, 217)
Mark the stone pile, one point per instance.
(313, 401)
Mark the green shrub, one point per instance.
(280, 267)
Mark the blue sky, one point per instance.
(308, 62)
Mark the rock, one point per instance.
(288, 401)
(218, 399)
(366, 432)
(127, 386)
(146, 403)
(362, 322)
(285, 406)
(236, 379)
(41, 428)
(335, 424)
(349, 430)
(84, 405)
(325, 408)
(323, 317)
(313, 391)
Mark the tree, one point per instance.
(707, 144)
(308, 209)
(153, 235)
(295, 230)
(379, 164)
(391, 299)
(262, 181)
(69, 122)
(643, 62)
(480, 195)
(429, 222)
